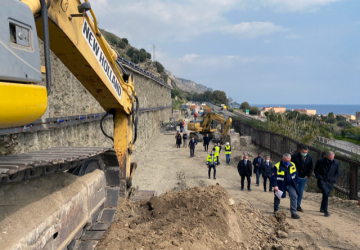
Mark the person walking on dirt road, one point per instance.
(285, 178)
(195, 116)
(176, 136)
(206, 142)
(181, 126)
(327, 171)
(185, 137)
(304, 165)
(211, 162)
(178, 140)
(217, 150)
(245, 171)
(192, 145)
(266, 170)
(228, 153)
(257, 163)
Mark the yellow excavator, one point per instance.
(74, 202)
(208, 126)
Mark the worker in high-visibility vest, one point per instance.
(211, 162)
(228, 153)
(217, 150)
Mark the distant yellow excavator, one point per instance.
(206, 127)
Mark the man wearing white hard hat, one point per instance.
(228, 153)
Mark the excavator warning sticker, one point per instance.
(100, 56)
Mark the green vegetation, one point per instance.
(125, 40)
(244, 105)
(177, 104)
(159, 67)
(344, 124)
(254, 111)
(330, 120)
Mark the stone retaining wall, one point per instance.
(68, 97)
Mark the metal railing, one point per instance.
(346, 148)
(347, 186)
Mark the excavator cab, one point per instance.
(22, 98)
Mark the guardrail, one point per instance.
(59, 122)
(343, 147)
(347, 186)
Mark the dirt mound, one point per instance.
(196, 218)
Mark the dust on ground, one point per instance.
(167, 169)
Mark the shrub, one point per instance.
(121, 45)
(254, 110)
(159, 67)
(130, 52)
(244, 105)
(125, 40)
(330, 120)
(344, 124)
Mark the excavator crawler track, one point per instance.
(92, 174)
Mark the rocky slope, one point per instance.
(187, 85)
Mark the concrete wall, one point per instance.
(68, 97)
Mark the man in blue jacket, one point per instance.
(206, 143)
(285, 178)
(192, 145)
(266, 170)
(327, 171)
(304, 166)
(257, 163)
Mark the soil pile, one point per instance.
(196, 218)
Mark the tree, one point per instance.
(159, 67)
(331, 120)
(148, 55)
(305, 117)
(331, 115)
(220, 96)
(244, 105)
(344, 124)
(340, 118)
(267, 113)
(130, 52)
(125, 40)
(254, 110)
(293, 114)
(207, 95)
(121, 45)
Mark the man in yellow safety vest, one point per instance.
(228, 153)
(211, 162)
(217, 150)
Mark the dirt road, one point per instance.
(162, 167)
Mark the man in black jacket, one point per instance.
(245, 170)
(327, 171)
(266, 170)
(257, 163)
(206, 142)
(192, 145)
(304, 165)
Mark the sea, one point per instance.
(320, 109)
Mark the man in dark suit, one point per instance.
(192, 145)
(206, 142)
(327, 171)
(245, 171)
(266, 170)
(257, 163)
(304, 165)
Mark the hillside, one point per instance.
(187, 85)
(140, 57)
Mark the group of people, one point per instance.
(290, 175)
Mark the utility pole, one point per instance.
(153, 52)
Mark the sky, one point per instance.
(259, 51)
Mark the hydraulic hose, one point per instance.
(45, 24)
(102, 129)
(136, 119)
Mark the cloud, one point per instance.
(294, 5)
(169, 21)
(293, 36)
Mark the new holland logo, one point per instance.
(100, 56)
